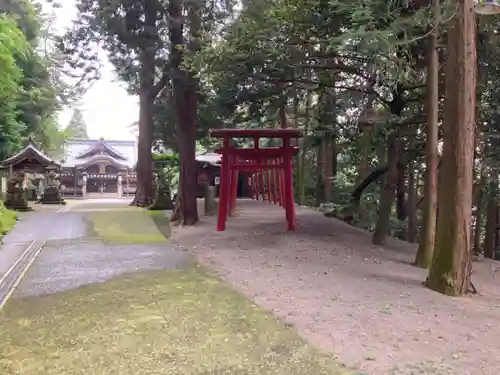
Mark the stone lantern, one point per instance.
(51, 193)
(84, 186)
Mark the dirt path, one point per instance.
(364, 303)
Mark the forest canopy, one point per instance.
(29, 89)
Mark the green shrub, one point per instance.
(7, 219)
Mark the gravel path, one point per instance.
(65, 266)
(71, 259)
(47, 225)
(36, 226)
(364, 303)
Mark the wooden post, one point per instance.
(288, 184)
(234, 185)
(210, 206)
(280, 183)
(224, 185)
(251, 186)
(268, 177)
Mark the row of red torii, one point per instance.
(271, 167)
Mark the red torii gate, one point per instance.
(277, 160)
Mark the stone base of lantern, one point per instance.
(16, 200)
(52, 195)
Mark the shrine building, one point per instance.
(98, 168)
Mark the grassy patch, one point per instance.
(132, 225)
(162, 221)
(7, 219)
(181, 322)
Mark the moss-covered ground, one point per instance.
(181, 322)
(173, 322)
(125, 225)
(7, 219)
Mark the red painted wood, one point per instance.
(280, 185)
(256, 167)
(255, 133)
(223, 192)
(258, 153)
(262, 184)
(234, 187)
(288, 187)
(273, 167)
(273, 175)
(252, 187)
(268, 177)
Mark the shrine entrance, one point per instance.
(102, 184)
(271, 169)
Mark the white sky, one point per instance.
(107, 108)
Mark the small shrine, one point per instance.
(28, 165)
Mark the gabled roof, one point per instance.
(101, 146)
(210, 158)
(91, 160)
(30, 151)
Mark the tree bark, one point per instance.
(497, 234)
(412, 204)
(491, 221)
(451, 267)
(302, 152)
(425, 250)
(479, 212)
(186, 108)
(401, 190)
(144, 193)
(329, 153)
(388, 193)
(320, 180)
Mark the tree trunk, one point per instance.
(144, 193)
(412, 204)
(425, 250)
(320, 181)
(329, 152)
(401, 197)
(334, 154)
(186, 108)
(388, 192)
(302, 153)
(497, 234)
(479, 212)
(282, 110)
(451, 266)
(187, 156)
(491, 221)
(363, 165)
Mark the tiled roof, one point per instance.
(29, 149)
(76, 147)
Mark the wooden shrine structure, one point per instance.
(30, 163)
(275, 163)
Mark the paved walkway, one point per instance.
(68, 257)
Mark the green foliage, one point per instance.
(28, 92)
(12, 44)
(167, 166)
(76, 127)
(7, 219)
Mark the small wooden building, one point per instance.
(34, 164)
(209, 174)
